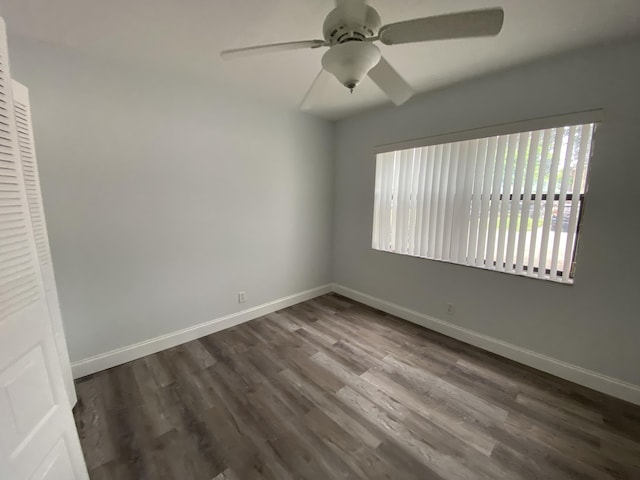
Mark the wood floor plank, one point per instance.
(452, 421)
(440, 463)
(338, 412)
(332, 389)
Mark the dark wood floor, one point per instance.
(331, 389)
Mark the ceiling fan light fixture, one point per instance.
(350, 62)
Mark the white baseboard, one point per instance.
(588, 378)
(141, 349)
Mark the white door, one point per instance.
(38, 439)
(26, 146)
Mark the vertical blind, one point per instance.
(511, 203)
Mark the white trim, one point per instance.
(122, 355)
(578, 118)
(588, 378)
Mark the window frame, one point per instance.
(541, 123)
(595, 116)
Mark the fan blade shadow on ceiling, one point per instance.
(318, 86)
(390, 82)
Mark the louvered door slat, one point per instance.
(17, 274)
(38, 223)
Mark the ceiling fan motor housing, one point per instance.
(351, 20)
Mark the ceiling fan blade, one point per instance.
(317, 86)
(274, 47)
(390, 82)
(474, 23)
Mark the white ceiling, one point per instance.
(186, 35)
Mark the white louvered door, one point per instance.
(38, 439)
(24, 128)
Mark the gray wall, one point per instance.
(595, 323)
(165, 197)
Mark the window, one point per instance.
(511, 203)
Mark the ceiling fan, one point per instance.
(350, 30)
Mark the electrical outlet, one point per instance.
(242, 297)
(451, 309)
